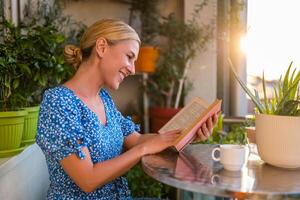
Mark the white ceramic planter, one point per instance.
(278, 140)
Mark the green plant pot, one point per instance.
(11, 129)
(11, 152)
(30, 124)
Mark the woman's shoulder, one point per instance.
(58, 95)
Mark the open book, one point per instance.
(189, 119)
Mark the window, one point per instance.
(272, 41)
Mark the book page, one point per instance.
(185, 118)
(190, 119)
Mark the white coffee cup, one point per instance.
(231, 156)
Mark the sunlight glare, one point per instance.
(244, 44)
(272, 40)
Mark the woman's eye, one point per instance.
(130, 56)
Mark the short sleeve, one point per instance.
(127, 125)
(59, 127)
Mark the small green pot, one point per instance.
(30, 124)
(11, 129)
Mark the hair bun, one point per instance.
(73, 55)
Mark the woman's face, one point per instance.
(117, 62)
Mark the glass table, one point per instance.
(193, 170)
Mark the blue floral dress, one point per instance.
(63, 120)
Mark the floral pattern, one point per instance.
(63, 120)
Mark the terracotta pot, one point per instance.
(147, 58)
(251, 134)
(160, 116)
(277, 139)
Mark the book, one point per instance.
(189, 119)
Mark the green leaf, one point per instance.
(276, 95)
(24, 68)
(7, 84)
(286, 97)
(273, 106)
(256, 101)
(265, 95)
(280, 93)
(289, 108)
(60, 38)
(286, 79)
(36, 76)
(293, 93)
(256, 94)
(16, 83)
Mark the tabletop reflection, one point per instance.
(194, 170)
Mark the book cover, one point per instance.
(189, 119)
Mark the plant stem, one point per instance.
(181, 81)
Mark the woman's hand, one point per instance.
(206, 129)
(159, 142)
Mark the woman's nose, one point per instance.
(131, 69)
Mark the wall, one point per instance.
(203, 71)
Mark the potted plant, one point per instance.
(35, 50)
(11, 117)
(37, 43)
(31, 60)
(168, 85)
(149, 17)
(277, 121)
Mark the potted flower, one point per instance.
(277, 121)
(168, 85)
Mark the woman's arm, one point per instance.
(136, 138)
(89, 176)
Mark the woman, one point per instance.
(87, 143)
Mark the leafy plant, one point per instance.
(34, 54)
(31, 57)
(285, 100)
(141, 185)
(183, 39)
(235, 135)
(9, 76)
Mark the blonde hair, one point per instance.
(111, 29)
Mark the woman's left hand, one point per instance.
(206, 129)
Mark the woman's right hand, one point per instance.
(159, 142)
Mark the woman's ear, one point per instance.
(101, 46)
